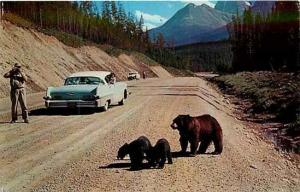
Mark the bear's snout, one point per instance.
(119, 158)
(174, 125)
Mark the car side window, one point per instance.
(107, 78)
(101, 82)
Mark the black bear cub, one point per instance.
(138, 150)
(159, 153)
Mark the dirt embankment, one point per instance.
(269, 98)
(47, 61)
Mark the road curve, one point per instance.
(77, 152)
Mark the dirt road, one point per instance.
(77, 152)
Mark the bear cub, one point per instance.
(138, 150)
(159, 153)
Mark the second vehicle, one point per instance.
(133, 75)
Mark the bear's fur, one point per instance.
(159, 153)
(204, 129)
(138, 150)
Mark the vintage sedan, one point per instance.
(91, 89)
(133, 75)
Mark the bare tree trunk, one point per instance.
(41, 21)
(57, 19)
(1, 10)
(1, 13)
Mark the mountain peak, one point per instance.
(205, 6)
(194, 21)
(232, 7)
(190, 5)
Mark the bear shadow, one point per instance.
(127, 166)
(115, 166)
(178, 154)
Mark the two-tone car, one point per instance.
(133, 75)
(90, 89)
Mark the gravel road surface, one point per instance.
(62, 151)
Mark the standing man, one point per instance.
(17, 92)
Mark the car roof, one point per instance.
(100, 74)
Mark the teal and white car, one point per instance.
(90, 89)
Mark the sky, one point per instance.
(156, 13)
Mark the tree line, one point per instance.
(209, 56)
(269, 42)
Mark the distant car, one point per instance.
(91, 89)
(133, 75)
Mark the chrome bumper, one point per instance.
(71, 104)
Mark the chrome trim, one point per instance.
(66, 103)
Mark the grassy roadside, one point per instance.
(271, 97)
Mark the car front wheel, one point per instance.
(124, 97)
(121, 102)
(105, 107)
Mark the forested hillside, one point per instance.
(110, 26)
(47, 61)
(83, 23)
(267, 42)
(258, 41)
(212, 56)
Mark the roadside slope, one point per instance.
(48, 61)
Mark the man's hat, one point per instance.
(17, 65)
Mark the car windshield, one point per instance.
(132, 73)
(83, 81)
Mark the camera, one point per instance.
(15, 70)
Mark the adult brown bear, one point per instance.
(204, 129)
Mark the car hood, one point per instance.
(73, 92)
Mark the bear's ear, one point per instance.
(186, 120)
(180, 121)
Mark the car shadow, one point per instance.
(63, 112)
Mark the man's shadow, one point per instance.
(8, 122)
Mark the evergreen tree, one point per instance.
(266, 43)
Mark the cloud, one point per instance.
(149, 26)
(209, 3)
(150, 20)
